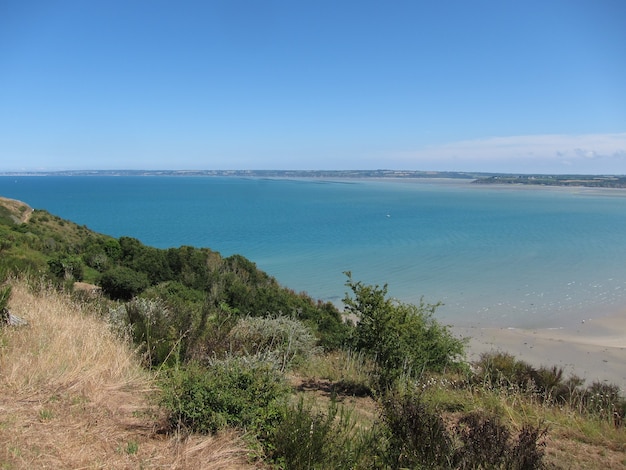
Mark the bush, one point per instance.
(499, 369)
(402, 339)
(5, 295)
(66, 268)
(419, 438)
(503, 369)
(150, 325)
(605, 400)
(487, 443)
(417, 435)
(123, 283)
(280, 339)
(484, 441)
(234, 392)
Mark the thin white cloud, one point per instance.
(589, 153)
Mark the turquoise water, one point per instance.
(504, 256)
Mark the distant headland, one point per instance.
(594, 181)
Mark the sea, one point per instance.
(503, 256)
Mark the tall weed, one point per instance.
(307, 439)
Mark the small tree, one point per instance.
(402, 339)
(66, 267)
(122, 283)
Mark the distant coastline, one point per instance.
(592, 181)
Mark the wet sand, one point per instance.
(593, 349)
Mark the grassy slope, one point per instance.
(51, 234)
(573, 440)
(72, 395)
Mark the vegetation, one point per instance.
(233, 392)
(498, 370)
(238, 371)
(403, 340)
(591, 181)
(199, 288)
(74, 395)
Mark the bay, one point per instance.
(494, 255)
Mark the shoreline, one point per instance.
(594, 349)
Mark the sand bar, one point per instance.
(593, 349)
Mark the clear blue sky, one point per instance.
(498, 85)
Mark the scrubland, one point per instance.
(134, 357)
(75, 395)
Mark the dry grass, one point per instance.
(72, 395)
(20, 212)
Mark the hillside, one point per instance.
(73, 395)
(14, 211)
(185, 359)
(201, 279)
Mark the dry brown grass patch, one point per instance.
(566, 453)
(72, 395)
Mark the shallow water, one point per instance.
(503, 256)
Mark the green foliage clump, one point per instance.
(279, 339)
(606, 401)
(402, 339)
(503, 369)
(487, 443)
(121, 283)
(149, 323)
(5, 295)
(235, 392)
(66, 267)
(6, 217)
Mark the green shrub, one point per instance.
(402, 339)
(122, 283)
(236, 392)
(281, 339)
(605, 400)
(484, 441)
(150, 325)
(19, 266)
(418, 437)
(66, 268)
(503, 370)
(529, 450)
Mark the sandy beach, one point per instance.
(593, 349)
